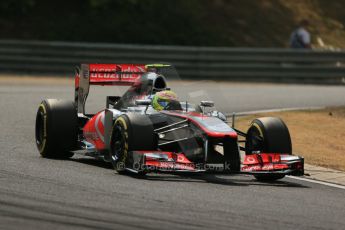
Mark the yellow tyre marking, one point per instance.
(124, 124)
(259, 129)
(43, 144)
(122, 121)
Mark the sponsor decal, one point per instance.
(100, 122)
(251, 160)
(251, 168)
(114, 76)
(91, 135)
(113, 72)
(268, 167)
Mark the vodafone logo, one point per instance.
(180, 158)
(251, 159)
(99, 126)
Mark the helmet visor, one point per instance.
(163, 102)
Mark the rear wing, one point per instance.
(115, 74)
(108, 74)
(103, 74)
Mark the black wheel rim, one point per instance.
(254, 141)
(39, 128)
(118, 141)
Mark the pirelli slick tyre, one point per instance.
(130, 132)
(268, 135)
(56, 128)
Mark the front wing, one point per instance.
(169, 162)
(273, 163)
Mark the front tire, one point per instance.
(130, 132)
(56, 128)
(268, 135)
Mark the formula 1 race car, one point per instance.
(182, 137)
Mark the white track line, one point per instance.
(292, 109)
(318, 182)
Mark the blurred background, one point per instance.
(204, 39)
(246, 23)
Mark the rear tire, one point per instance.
(268, 135)
(56, 128)
(130, 132)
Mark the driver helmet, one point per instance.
(162, 99)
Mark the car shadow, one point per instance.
(93, 162)
(221, 179)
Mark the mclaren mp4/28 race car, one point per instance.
(180, 137)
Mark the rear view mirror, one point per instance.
(145, 102)
(218, 114)
(207, 103)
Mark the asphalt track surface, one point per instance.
(82, 193)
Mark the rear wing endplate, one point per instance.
(103, 74)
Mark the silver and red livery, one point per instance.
(134, 137)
